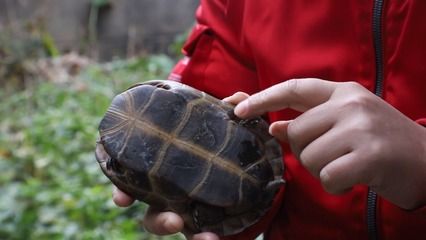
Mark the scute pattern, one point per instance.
(180, 149)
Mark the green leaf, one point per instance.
(52, 186)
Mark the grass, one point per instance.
(51, 185)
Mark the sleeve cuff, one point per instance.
(176, 73)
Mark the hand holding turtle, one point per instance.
(346, 136)
(165, 223)
(159, 223)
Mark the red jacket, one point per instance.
(248, 45)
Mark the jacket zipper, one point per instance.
(378, 45)
(378, 49)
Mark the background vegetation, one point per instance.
(51, 185)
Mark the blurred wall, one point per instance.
(120, 28)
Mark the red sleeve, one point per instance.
(216, 62)
(421, 121)
(421, 211)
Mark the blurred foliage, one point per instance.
(175, 48)
(51, 184)
(100, 3)
(95, 7)
(17, 49)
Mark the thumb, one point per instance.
(162, 223)
(279, 130)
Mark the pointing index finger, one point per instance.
(297, 94)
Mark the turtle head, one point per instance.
(109, 165)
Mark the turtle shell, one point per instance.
(182, 150)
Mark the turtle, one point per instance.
(180, 149)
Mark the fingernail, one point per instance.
(270, 130)
(241, 109)
(226, 99)
(172, 225)
(205, 236)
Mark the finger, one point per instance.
(236, 98)
(205, 236)
(162, 223)
(330, 146)
(279, 130)
(120, 198)
(310, 125)
(343, 173)
(297, 94)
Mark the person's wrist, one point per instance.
(422, 208)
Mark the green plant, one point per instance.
(175, 47)
(19, 48)
(95, 7)
(51, 184)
